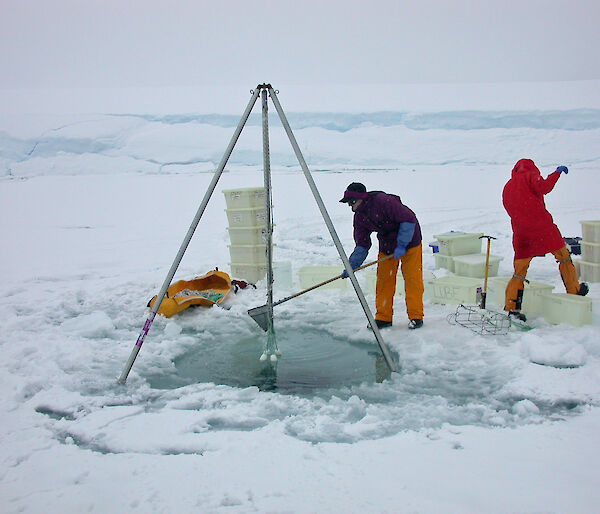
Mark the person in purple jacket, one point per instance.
(399, 233)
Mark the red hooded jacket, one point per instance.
(534, 231)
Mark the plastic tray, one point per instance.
(459, 243)
(252, 217)
(282, 273)
(245, 197)
(567, 308)
(308, 276)
(590, 230)
(590, 252)
(248, 254)
(444, 261)
(455, 290)
(532, 294)
(247, 235)
(474, 265)
(589, 271)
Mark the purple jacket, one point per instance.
(383, 213)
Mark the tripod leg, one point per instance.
(187, 239)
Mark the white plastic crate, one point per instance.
(532, 294)
(560, 308)
(444, 261)
(496, 289)
(282, 273)
(474, 265)
(248, 254)
(454, 290)
(590, 252)
(590, 230)
(252, 217)
(459, 243)
(590, 271)
(247, 235)
(308, 276)
(253, 273)
(245, 197)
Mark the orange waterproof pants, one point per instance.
(515, 284)
(412, 271)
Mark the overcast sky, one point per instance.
(91, 43)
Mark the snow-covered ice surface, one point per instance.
(93, 208)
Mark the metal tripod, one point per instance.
(264, 89)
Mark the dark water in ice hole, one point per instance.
(311, 362)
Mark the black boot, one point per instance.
(415, 323)
(517, 315)
(583, 289)
(381, 324)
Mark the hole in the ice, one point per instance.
(311, 362)
(433, 388)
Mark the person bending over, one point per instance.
(399, 233)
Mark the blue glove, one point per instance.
(405, 234)
(399, 251)
(562, 169)
(357, 257)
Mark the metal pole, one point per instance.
(382, 346)
(270, 348)
(188, 237)
(267, 173)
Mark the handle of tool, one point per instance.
(330, 280)
(487, 263)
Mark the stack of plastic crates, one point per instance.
(247, 215)
(590, 251)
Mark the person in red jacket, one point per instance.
(534, 231)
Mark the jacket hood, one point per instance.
(524, 166)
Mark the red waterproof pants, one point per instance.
(412, 272)
(515, 284)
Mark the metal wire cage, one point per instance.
(480, 321)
